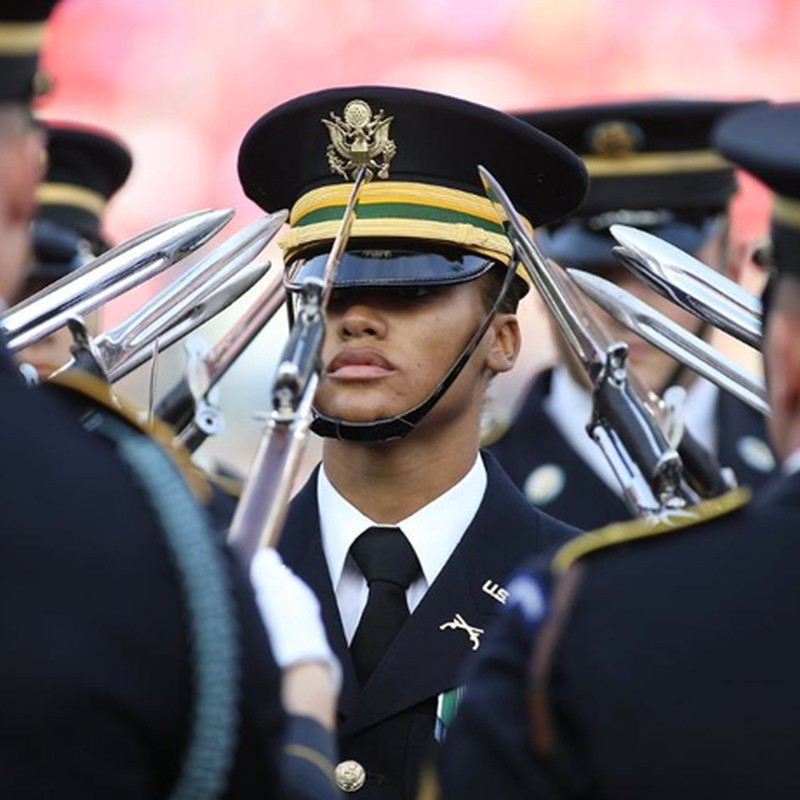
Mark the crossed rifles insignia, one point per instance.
(359, 138)
(459, 623)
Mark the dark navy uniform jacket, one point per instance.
(95, 675)
(674, 673)
(388, 725)
(533, 442)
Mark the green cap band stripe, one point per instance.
(400, 211)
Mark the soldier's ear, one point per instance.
(506, 345)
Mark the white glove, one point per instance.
(291, 614)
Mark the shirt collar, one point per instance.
(433, 531)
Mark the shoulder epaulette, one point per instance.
(631, 530)
(98, 392)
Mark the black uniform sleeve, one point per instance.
(488, 751)
(308, 758)
(288, 757)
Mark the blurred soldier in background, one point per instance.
(135, 661)
(406, 532)
(662, 661)
(85, 168)
(651, 167)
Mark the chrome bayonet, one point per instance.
(689, 283)
(113, 273)
(647, 467)
(663, 333)
(198, 295)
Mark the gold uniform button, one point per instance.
(350, 776)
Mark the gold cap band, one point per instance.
(66, 194)
(21, 38)
(655, 163)
(786, 212)
(401, 210)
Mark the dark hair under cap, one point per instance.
(85, 168)
(765, 141)
(651, 166)
(21, 34)
(424, 150)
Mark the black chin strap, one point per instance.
(389, 428)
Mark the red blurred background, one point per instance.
(180, 81)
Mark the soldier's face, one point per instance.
(387, 349)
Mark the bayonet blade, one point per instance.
(206, 309)
(585, 339)
(115, 272)
(200, 293)
(663, 333)
(690, 284)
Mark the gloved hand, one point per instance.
(291, 615)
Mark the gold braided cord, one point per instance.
(67, 194)
(656, 163)
(786, 212)
(21, 38)
(423, 194)
(632, 530)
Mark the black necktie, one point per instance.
(390, 566)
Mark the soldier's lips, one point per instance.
(359, 364)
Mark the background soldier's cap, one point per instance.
(21, 34)
(425, 192)
(651, 166)
(765, 141)
(85, 167)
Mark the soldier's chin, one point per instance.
(362, 416)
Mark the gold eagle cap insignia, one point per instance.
(359, 138)
(615, 139)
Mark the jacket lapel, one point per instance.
(428, 655)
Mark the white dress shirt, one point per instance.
(569, 406)
(433, 531)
